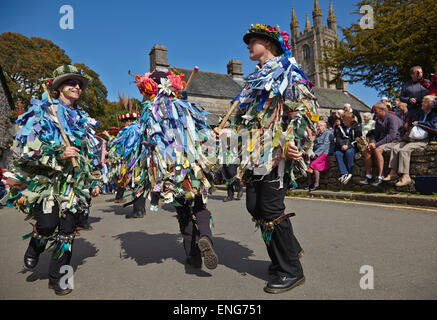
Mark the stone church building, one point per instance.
(214, 91)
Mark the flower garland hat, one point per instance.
(169, 83)
(66, 72)
(280, 38)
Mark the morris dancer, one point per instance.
(53, 179)
(168, 162)
(275, 103)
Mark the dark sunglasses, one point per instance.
(73, 83)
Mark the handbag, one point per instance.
(418, 133)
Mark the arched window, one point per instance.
(306, 52)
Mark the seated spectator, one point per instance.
(400, 154)
(396, 105)
(331, 119)
(384, 100)
(345, 145)
(402, 114)
(413, 91)
(347, 108)
(387, 134)
(368, 123)
(323, 145)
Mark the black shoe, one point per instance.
(281, 284)
(228, 198)
(309, 187)
(31, 256)
(377, 182)
(85, 227)
(59, 291)
(194, 261)
(209, 256)
(314, 188)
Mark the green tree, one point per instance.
(404, 35)
(25, 61)
(93, 99)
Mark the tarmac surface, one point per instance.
(131, 259)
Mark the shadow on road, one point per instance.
(216, 197)
(118, 209)
(82, 249)
(146, 248)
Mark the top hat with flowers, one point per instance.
(280, 38)
(67, 72)
(169, 83)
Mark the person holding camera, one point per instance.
(413, 92)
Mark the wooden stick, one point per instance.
(64, 136)
(196, 68)
(226, 118)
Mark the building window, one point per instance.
(306, 52)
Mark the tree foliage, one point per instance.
(404, 35)
(25, 61)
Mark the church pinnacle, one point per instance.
(317, 15)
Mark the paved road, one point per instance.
(144, 259)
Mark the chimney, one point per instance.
(341, 85)
(235, 70)
(158, 58)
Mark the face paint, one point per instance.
(67, 92)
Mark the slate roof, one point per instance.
(335, 99)
(219, 85)
(211, 84)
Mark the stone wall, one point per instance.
(423, 162)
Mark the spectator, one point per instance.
(403, 111)
(384, 100)
(396, 105)
(323, 145)
(347, 108)
(387, 134)
(368, 123)
(413, 92)
(331, 119)
(345, 145)
(400, 154)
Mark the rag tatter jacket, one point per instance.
(39, 147)
(276, 100)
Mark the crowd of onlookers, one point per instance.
(399, 127)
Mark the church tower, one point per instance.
(307, 45)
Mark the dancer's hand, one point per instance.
(96, 191)
(70, 152)
(293, 152)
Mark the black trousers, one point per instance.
(229, 172)
(46, 224)
(264, 200)
(140, 204)
(192, 232)
(120, 192)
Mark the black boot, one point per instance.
(283, 283)
(61, 256)
(194, 261)
(230, 195)
(35, 248)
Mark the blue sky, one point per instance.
(112, 37)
